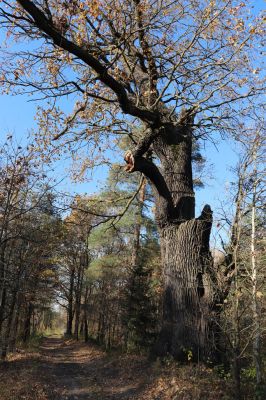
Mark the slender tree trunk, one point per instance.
(78, 296)
(235, 315)
(81, 328)
(27, 323)
(109, 335)
(77, 320)
(2, 307)
(237, 374)
(13, 336)
(137, 227)
(86, 330)
(70, 315)
(3, 292)
(135, 265)
(254, 279)
(85, 315)
(101, 328)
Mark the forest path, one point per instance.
(69, 370)
(78, 371)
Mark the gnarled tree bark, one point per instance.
(188, 300)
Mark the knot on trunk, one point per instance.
(130, 160)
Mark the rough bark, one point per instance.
(188, 300)
(187, 291)
(10, 321)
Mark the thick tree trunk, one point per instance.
(188, 301)
(187, 291)
(10, 322)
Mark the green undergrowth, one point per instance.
(33, 343)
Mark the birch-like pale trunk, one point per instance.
(254, 271)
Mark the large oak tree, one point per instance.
(180, 70)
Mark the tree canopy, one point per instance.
(146, 59)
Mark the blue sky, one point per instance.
(17, 117)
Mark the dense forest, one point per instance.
(131, 269)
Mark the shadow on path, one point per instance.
(76, 371)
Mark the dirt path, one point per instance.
(81, 372)
(67, 370)
(64, 370)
